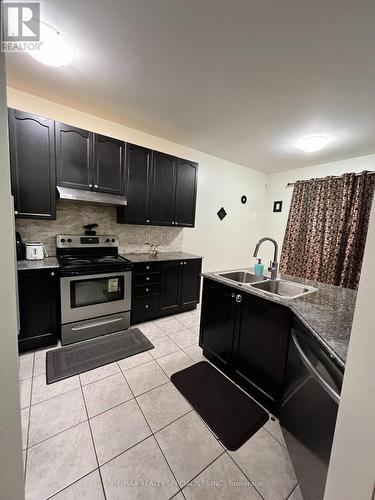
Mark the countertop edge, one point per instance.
(286, 302)
(136, 258)
(46, 263)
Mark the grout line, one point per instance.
(92, 439)
(247, 477)
(153, 435)
(57, 395)
(29, 420)
(207, 466)
(57, 433)
(274, 437)
(290, 494)
(71, 484)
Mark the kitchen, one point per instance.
(147, 242)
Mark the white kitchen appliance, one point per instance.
(35, 250)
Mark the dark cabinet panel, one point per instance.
(138, 166)
(74, 157)
(162, 189)
(38, 302)
(261, 345)
(186, 190)
(217, 322)
(171, 285)
(191, 279)
(109, 165)
(32, 160)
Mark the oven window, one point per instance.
(88, 292)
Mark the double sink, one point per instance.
(280, 288)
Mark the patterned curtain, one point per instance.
(327, 228)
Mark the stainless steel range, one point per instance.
(95, 287)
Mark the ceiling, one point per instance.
(239, 79)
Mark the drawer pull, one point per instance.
(148, 278)
(147, 289)
(147, 267)
(146, 306)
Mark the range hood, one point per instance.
(90, 196)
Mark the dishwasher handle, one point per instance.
(314, 372)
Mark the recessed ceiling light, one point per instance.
(55, 49)
(312, 143)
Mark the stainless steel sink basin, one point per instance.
(242, 277)
(284, 288)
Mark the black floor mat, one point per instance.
(232, 415)
(84, 356)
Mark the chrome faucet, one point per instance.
(273, 264)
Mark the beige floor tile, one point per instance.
(25, 392)
(42, 391)
(175, 362)
(151, 330)
(188, 446)
(221, 480)
(185, 338)
(58, 462)
(195, 352)
(99, 373)
(273, 426)
(39, 363)
(170, 325)
(296, 494)
(106, 393)
(140, 473)
(88, 488)
(264, 460)
(162, 347)
(26, 364)
(136, 360)
(145, 377)
(163, 405)
(118, 429)
(189, 320)
(25, 414)
(55, 415)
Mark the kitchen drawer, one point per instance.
(145, 279)
(143, 290)
(146, 267)
(144, 308)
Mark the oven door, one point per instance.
(89, 296)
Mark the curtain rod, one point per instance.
(334, 177)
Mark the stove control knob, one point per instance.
(107, 240)
(62, 240)
(69, 240)
(113, 240)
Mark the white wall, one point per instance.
(352, 467)
(275, 223)
(224, 245)
(11, 467)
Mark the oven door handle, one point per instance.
(314, 372)
(96, 323)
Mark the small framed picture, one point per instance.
(277, 206)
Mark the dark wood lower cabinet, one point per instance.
(164, 288)
(247, 337)
(38, 292)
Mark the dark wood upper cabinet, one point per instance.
(162, 189)
(74, 157)
(186, 192)
(191, 280)
(32, 161)
(109, 165)
(137, 181)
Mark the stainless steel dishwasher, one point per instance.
(309, 408)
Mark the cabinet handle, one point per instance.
(146, 306)
(172, 222)
(184, 263)
(147, 267)
(238, 298)
(148, 220)
(232, 295)
(147, 289)
(52, 274)
(16, 212)
(147, 279)
(95, 186)
(181, 263)
(90, 185)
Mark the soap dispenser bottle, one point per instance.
(259, 268)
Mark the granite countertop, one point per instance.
(327, 313)
(46, 263)
(160, 257)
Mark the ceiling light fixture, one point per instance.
(55, 49)
(312, 143)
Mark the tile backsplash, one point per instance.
(71, 216)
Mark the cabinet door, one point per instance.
(162, 192)
(38, 298)
(186, 190)
(138, 166)
(218, 319)
(170, 291)
(261, 347)
(32, 161)
(74, 156)
(109, 165)
(191, 279)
